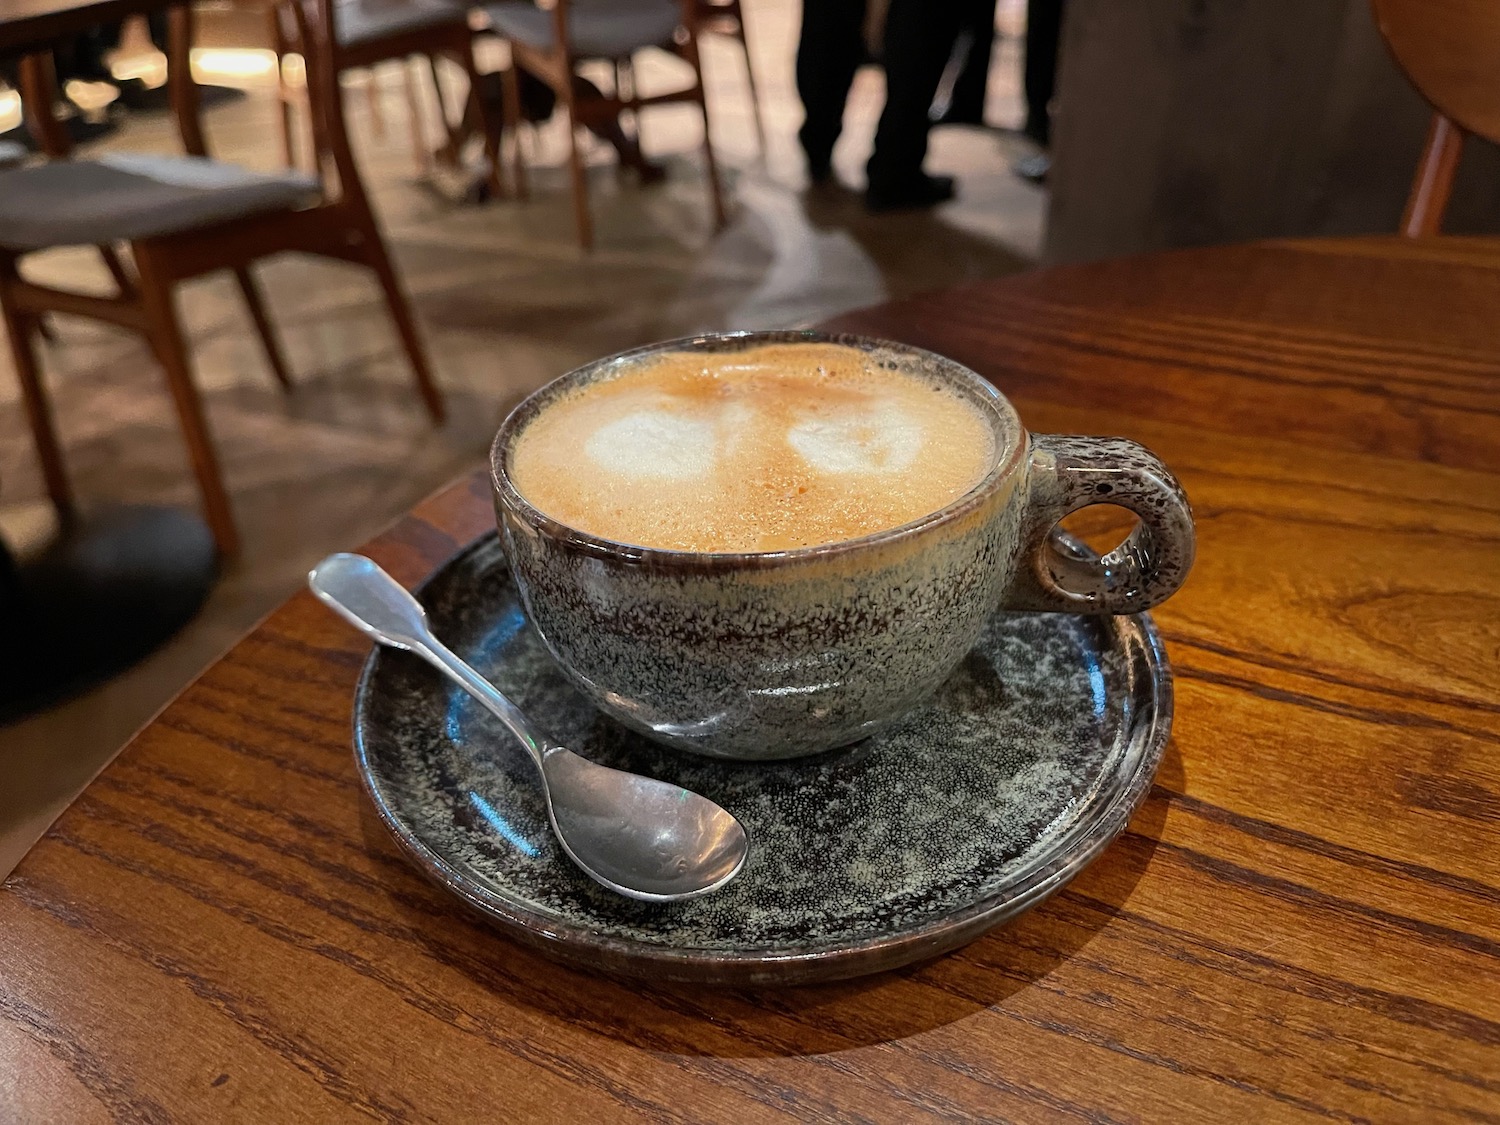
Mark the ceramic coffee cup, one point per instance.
(768, 655)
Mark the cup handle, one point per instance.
(1068, 473)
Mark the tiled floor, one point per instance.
(506, 300)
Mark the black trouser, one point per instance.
(831, 49)
(1044, 20)
(919, 38)
(967, 102)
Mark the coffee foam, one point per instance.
(879, 440)
(655, 445)
(776, 447)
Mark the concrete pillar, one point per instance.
(1187, 122)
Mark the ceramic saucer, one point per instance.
(973, 808)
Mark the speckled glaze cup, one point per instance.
(767, 655)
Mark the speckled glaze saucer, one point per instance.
(968, 811)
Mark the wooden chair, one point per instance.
(1450, 50)
(727, 18)
(183, 217)
(552, 44)
(370, 32)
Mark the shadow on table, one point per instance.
(915, 250)
(706, 1021)
(820, 1019)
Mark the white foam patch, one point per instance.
(736, 420)
(654, 445)
(882, 439)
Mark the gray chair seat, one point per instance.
(125, 196)
(604, 29)
(358, 23)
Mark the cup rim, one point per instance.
(1006, 460)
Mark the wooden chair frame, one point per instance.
(455, 41)
(1432, 186)
(727, 18)
(1450, 52)
(557, 66)
(341, 226)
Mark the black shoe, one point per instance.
(925, 191)
(647, 172)
(1033, 169)
(819, 152)
(1038, 130)
(135, 95)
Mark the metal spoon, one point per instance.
(638, 836)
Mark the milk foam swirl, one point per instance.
(781, 446)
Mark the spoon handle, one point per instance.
(441, 657)
(372, 601)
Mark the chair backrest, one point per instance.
(1450, 51)
(315, 41)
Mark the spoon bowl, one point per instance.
(640, 837)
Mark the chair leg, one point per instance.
(304, 124)
(481, 114)
(372, 102)
(255, 302)
(512, 83)
(760, 128)
(625, 88)
(414, 116)
(406, 326)
(715, 188)
(117, 270)
(1433, 183)
(580, 179)
(165, 333)
(279, 45)
(288, 127)
(448, 155)
(19, 328)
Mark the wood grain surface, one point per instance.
(1302, 923)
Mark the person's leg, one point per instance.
(966, 106)
(537, 103)
(86, 59)
(158, 27)
(1044, 19)
(537, 99)
(627, 149)
(918, 39)
(828, 53)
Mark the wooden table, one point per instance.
(1302, 922)
(28, 25)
